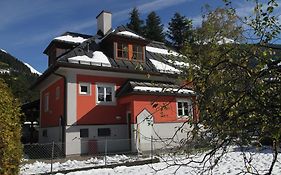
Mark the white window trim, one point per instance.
(189, 102)
(46, 101)
(113, 102)
(88, 88)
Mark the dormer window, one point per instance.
(133, 52)
(137, 52)
(122, 50)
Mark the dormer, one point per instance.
(62, 44)
(124, 44)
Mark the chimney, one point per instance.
(104, 22)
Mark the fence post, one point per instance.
(151, 148)
(105, 151)
(52, 156)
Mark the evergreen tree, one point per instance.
(154, 28)
(10, 129)
(179, 31)
(135, 24)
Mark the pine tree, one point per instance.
(135, 24)
(10, 129)
(179, 31)
(154, 28)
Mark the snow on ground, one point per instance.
(98, 59)
(32, 69)
(41, 167)
(231, 163)
(69, 38)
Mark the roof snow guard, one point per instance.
(155, 88)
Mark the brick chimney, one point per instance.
(104, 22)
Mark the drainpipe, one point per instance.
(64, 117)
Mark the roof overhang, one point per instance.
(154, 88)
(56, 66)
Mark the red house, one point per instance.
(115, 85)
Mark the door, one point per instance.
(144, 131)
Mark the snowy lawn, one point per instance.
(42, 167)
(231, 163)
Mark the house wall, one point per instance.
(51, 117)
(53, 134)
(163, 108)
(117, 142)
(164, 136)
(89, 112)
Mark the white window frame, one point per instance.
(104, 85)
(46, 102)
(190, 107)
(57, 93)
(88, 85)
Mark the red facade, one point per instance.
(55, 93)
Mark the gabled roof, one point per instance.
(127, 33)
(87, 54)
(156, 88)
(70, 38)
(158, 58)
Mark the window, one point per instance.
(84, 133)
(103, 132)
(137, 53)
(46, 102)
(84, 88)
(122, 50)
(184, 108)
(105, 93)
(129, 51)
(57, 93)
(45, 133)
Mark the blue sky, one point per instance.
(27, 26)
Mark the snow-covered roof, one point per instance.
(98, 59)
(163, 89)
(32, 70)
(72, 39)
(164, 68)
(130, 34)
(162, 51)
(3, 71)
(178, 63)
(226, 41)
(4, 51)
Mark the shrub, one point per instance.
(10, 131)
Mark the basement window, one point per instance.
(45, 133)
(104, 132)
(84, 133)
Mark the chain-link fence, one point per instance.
(83, 150)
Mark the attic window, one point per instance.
(127, 51)
(137, 52)
(122, 50)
